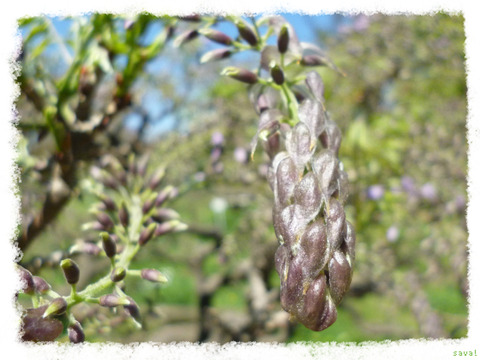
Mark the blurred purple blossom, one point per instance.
(215, 154)
(361, 23)
(217, 139)
(428, 192)
(392, 233)
(240, 154)
(408, 184)
(375, 192)
(199, 176)
(460, 202)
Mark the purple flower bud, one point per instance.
(27, 279)
(247, 33)
(108, 203)
(153, 275)
(37, 328)
(392, 234)
(109, 245)
(164, 214)
(70, 270)
(283, 39)
(112, 300)
(75, 333)
(118, 274)
(375, 192)
(239, 74)
(147, 234)
(185, 37)
(168, 227)
(277, 74)
(105, 220)
(41, 286)
(149, 204)
(123, 215)
(214, 55)
(216, 36)
(57, 307)
(132, 309)
(169, 192)
(156, 178)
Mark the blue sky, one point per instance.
(305, 26)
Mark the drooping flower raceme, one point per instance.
(317, 244)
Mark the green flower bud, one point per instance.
(147, 234)
(57, 307)
(283, 39)
(75, 333)
(153, 275)
(242, 75)
(70, 270)
(118, 274)
(108, 244)
(216, 36)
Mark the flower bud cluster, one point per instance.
(316, 253)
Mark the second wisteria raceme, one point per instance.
(317, 243)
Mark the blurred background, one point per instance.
(402, 111)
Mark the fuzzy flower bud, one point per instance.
(105, 221)
(123, 215)
(57, 307)
(247, 33)
(27, 280)
(109, 245)
(277, 74)
(185, 37)
(112, 300)
(156, 178)
(239, 74)
(118, 274)
(153, 275)
(41, 286)
(214, 55)
(147, 234)
(70, 270)
(283, 40)
(216, 36)
(75, 333)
